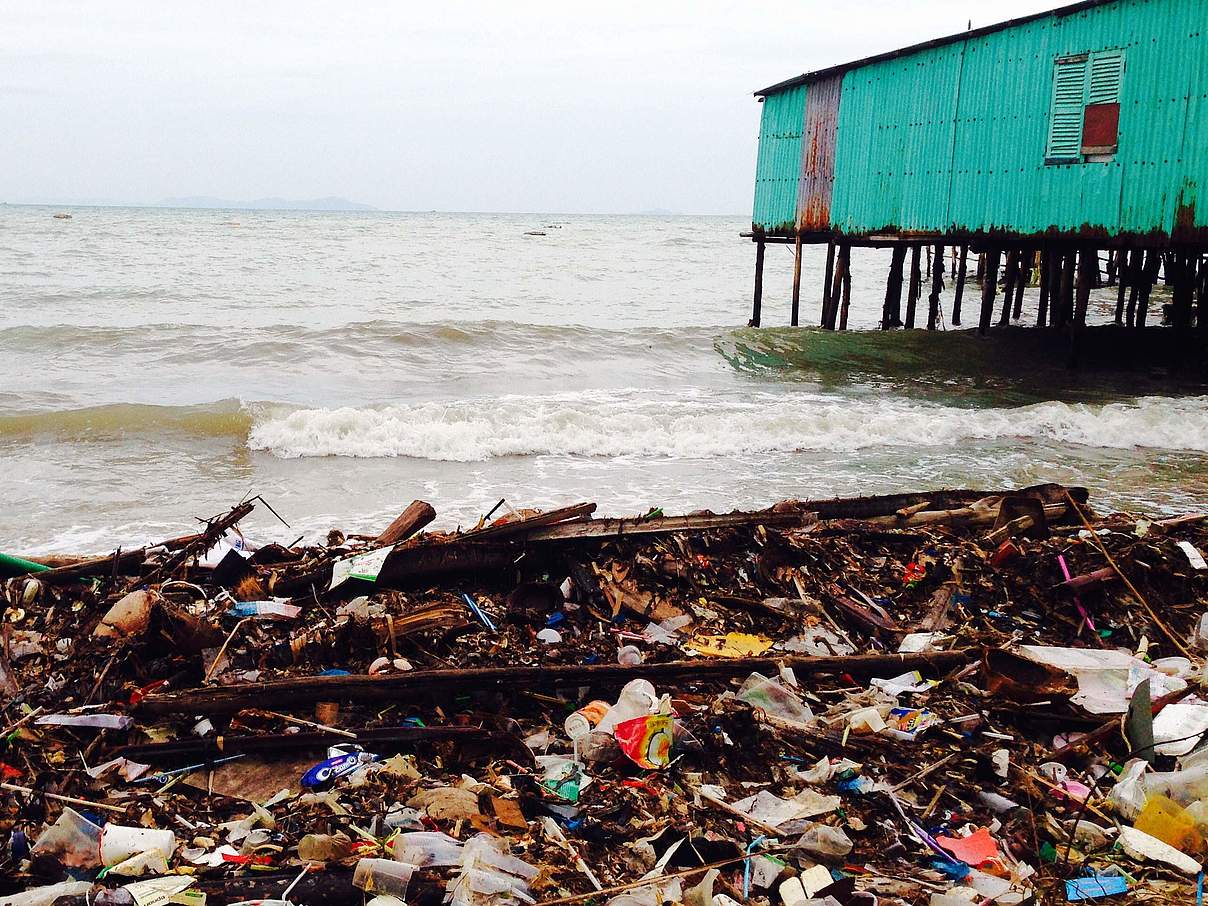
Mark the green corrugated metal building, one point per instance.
(1088, 122)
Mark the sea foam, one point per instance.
(692, 425)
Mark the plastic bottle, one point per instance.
(583, 721)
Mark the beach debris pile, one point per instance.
(944, 698)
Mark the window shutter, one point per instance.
(1106, 69)
(1069, 100)
(1101, 124)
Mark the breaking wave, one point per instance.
(693, 426)
(685, 424)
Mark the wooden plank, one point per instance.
(578, 511)
(616, 528)
(409, 521)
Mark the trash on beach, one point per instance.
(845, 702)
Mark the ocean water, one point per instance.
(159, 365)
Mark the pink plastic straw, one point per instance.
(1086, 617)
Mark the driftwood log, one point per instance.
(307, 690)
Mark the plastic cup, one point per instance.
(119, 843)
(383, 876)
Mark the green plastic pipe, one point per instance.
(15, 566)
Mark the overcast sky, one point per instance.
(460, 106)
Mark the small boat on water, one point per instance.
(62, 216)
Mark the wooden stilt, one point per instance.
(1088, 266)
(1183, 268)
(846, 287)
(832, 313)
(916, 287)
(956, 253)
(937, 287)
(795, 314)
(826, 282)
(1149, 276)
(1064, 304)
(891, 315)
(757, 305)
(989, 289)
(1135, 269)
(980, 275)
(1119, 273)
(1025, 277)
(1201, 301)
(1046, 273)
(1010, 277)
(959, 289)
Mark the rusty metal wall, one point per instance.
(818, 153)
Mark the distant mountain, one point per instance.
(330, 203)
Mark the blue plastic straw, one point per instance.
(479, 612)
(1199, 890)
(746, 867)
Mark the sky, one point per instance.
(556, 107)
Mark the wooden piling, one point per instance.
(1183, 281)
(1063, 305)
(1088, 267)
(989, 289)
(831, 315)
(1046, 282)
(1025, 277)
(891, 315)
(846, 257)
(916, 287)
(1201, 301)
(1149, 276)
(959, 290)
(937, 287)
(1135, 271)
(794, 316)
(826, 282)
(1010, 277)
(757, 304)
(1119, 272)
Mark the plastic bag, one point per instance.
(73, 840)
(775, 700)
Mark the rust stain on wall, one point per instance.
(818, 154)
